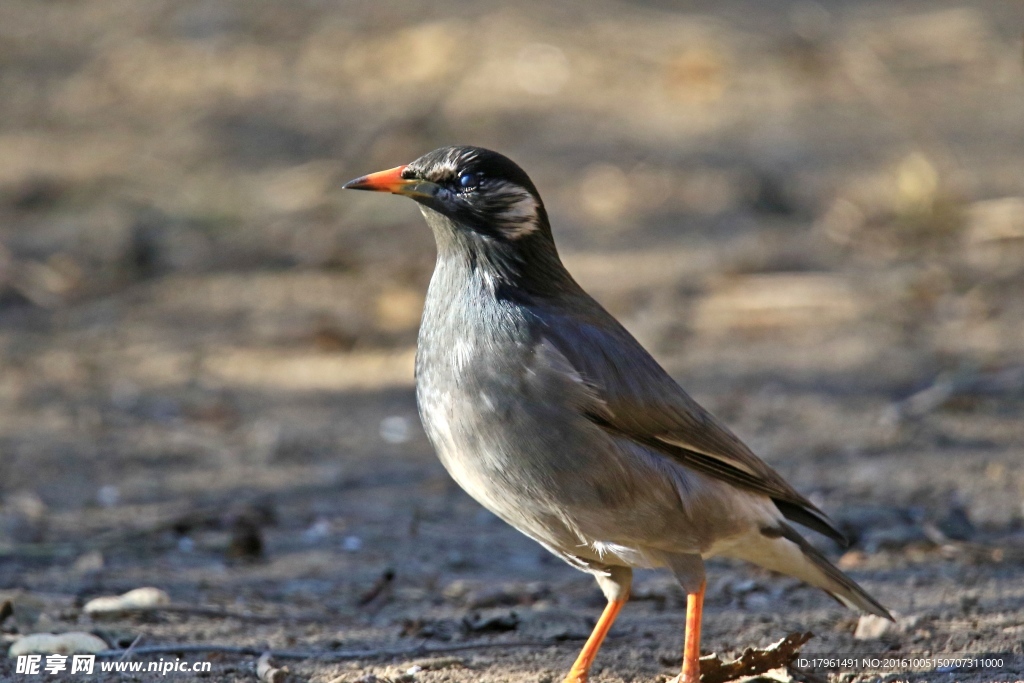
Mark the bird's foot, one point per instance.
(681, 678)
(576, 676)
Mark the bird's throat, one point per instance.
(528, 266)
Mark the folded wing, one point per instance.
(634, 397)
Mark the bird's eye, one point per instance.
(468, 181)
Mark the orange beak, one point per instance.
(393, 182)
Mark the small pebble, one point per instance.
(395, 429)
(871, 627)
(317, 531)
(108, 496)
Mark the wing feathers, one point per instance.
(812, 518)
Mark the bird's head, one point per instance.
(486, 214)
(476, 189)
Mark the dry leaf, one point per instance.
(753, 661)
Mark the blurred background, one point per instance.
(811, 212)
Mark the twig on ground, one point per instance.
(131, 648)
(947, 387)
(49, 551)
(323, 655)
(218, 613)
(971, 551)
(382, 583)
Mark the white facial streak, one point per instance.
(520, 216)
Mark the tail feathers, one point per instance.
(838, 585)
(781, 549)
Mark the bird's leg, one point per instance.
(581, 668)
(691, 641)
(614, 583)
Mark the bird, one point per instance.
(550, 414)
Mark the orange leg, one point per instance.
(691, 641)
(579, 671)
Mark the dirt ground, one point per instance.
(812, 213)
